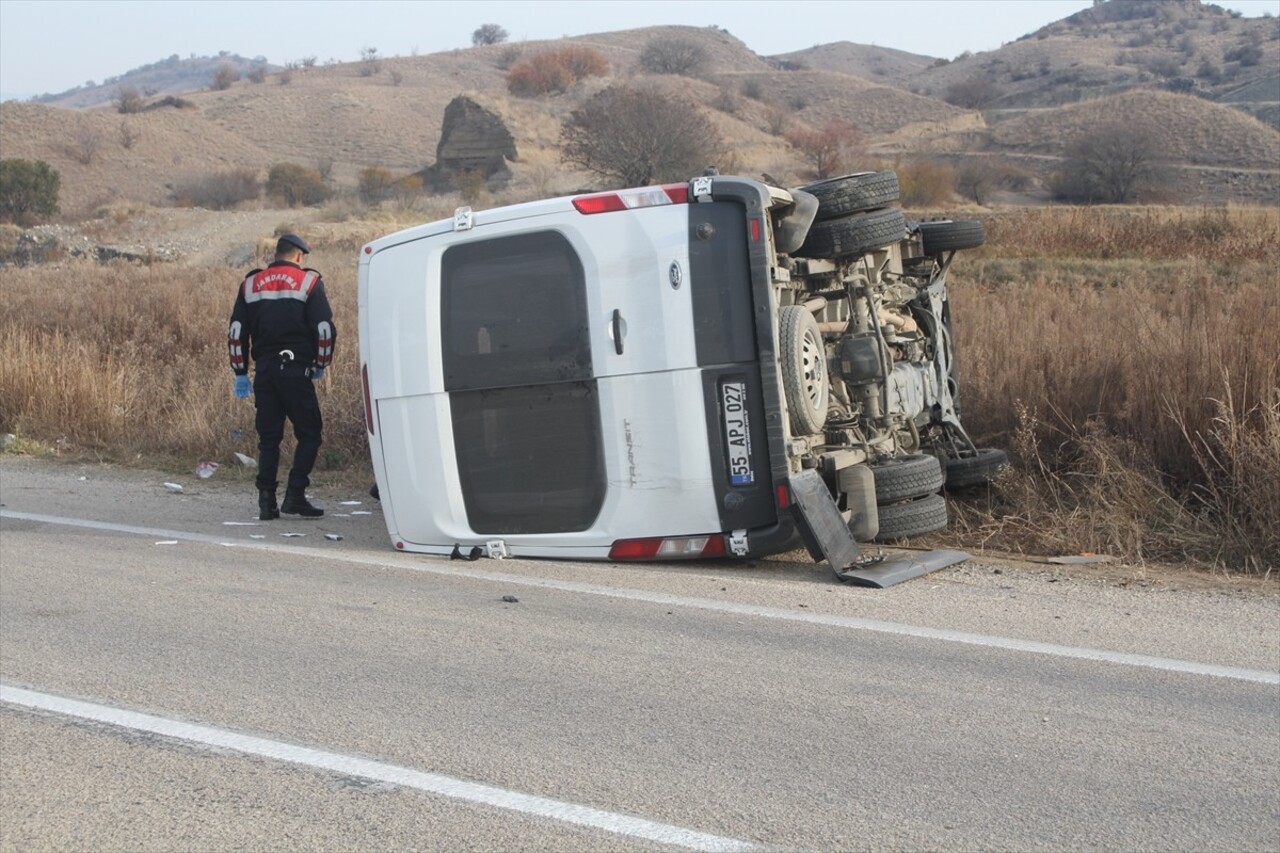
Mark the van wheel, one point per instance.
(854, 235)
(912, 518)
(906, 477)
(854, 193)
(976, 470)
(951, 235)
(804, 369)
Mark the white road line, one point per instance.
(431, 783)
(438, 566)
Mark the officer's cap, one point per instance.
(293, 240)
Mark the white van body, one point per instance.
(598, 376)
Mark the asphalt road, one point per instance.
(229, 692)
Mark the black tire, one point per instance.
(976, 470)
(912, 518)
(906, 477)
(854, 193)
(950, 235)
(804, 369)
(854, 235)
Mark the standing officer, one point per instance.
(282, 312)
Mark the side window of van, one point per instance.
(517, 365)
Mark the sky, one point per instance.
(49, 46)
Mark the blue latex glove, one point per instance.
(317, 373)
(243, 387)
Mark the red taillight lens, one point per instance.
(368, 401)
(784, 496)
(670, 548)
(633, 199)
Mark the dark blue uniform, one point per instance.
(283, 320)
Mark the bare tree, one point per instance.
(976, 93)
(1113, 164)
(369, 64)
(128, 100)
(978, 178)
(223, 76)
(128, 134)
(84, 147)
(673, 55)
(828, 150)
(636, 137)
(488, 34)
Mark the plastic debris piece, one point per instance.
(83, 479)
(247, 461)
(206, 469)
(333, 537)
(510, 599)
(257, 536)
(173, 487)
(167, 542)
(361, 512)
(241, 523)
(293, 535)
(352, 503)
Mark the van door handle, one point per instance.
(617, 331)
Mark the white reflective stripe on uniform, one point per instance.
(299, 295)
(324, 344)
(234, 347)
(309, 281)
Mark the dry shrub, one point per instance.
(925, 183)
(541, 75)
(583, 62)
(1147, 388)
(555, 71)
(295, 185)
(218, 190)
(1158, 233)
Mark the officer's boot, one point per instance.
(296, 503)
(267, 509)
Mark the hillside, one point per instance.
(166, 77)
(343, 119)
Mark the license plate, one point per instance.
(733, 407)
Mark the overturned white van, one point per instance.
(675, 371)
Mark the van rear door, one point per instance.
(562, 380)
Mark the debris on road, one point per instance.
(247, 461)
(1081, 559)
(333, 537)
(173, 487)
(510, 599)
(206, 469)
(167, 542)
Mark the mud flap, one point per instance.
(885, 572)
(826, 536)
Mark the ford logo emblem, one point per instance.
(674, 275)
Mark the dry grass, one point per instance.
(1129, 359)
(1138, 395)
(130, 365)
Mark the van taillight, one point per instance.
(368, 401)
(670, 548)
(633, 199)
